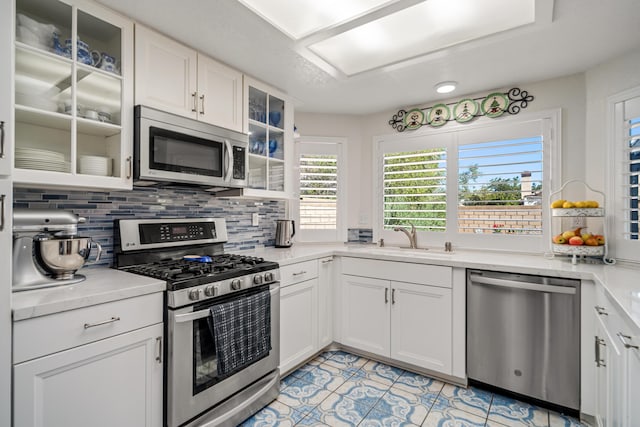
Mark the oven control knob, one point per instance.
(236, 284)
(194, 294)
(268, 276)
(210, 291)
(257, 279)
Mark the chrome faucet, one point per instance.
(413, 241)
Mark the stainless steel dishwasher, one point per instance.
(523, 335)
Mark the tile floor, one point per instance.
(341, 389)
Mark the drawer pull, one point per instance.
(599, 360)
(299, 273)
(601, 310)
(104, 322)
(326, 261)
(2, 198)
(159, 356)
(623, 338)
(1, 140)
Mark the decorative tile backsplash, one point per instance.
(100, 209)
(360, 235)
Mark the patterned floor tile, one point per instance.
(377, 418)
(380, 372)
(510, 412)
(327, 376)
(322, 357)
(309, 421)
(276, 414)
(302, 396)
(303, 370)
(363, 391)
(416, 383)
(284, 382)
(339, 411)
(472, 400)
(441, 417)
(406, 406)
(341, 359)
(560, 420)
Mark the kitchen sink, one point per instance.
(405, 250)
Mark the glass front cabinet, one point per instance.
(73, 95)
(269, 123)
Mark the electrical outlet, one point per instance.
(579, 221)
(255, 219)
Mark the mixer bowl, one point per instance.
(62, 257)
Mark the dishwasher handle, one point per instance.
(492, 281)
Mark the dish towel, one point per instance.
(242, 331)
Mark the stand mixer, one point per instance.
(47, 250)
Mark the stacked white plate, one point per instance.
(96, 165)
(35, 158)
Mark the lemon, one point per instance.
(557, 203)
(568, 205)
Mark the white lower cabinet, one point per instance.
(111, 382)
(617, 358)
(421, 325)
(326, 277)
(96, 366)
(298, 323)
(409, 320)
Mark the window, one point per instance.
(469, 184)
(624, 174)
(321, 190)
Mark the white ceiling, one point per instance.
(582, 34)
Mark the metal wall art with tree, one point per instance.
(463, 111)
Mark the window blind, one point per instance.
(318, 191)
(415, 189)
(631, 147)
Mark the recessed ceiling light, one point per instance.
(446, 87)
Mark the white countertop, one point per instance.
(102, 285)
(622, 283)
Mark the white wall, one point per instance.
(567, 93)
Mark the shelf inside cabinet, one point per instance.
(96, 128)
(42, 118)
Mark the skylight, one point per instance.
(355, 36)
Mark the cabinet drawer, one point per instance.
(44, 335)
(433, 275)
(298, 272)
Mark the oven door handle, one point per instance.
(189, 317)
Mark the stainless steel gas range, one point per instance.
(221, 319)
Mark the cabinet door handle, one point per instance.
(1, 140)
(601, 310)
(386, 295)
(299, 273)
(104, 322)
(2, 198)
(129, 167)
(159, 356)
(393, 296)
(599, 361)
(623, 338)
(202, 104)
(194, 95)
(326, 261)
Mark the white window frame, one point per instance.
(620, 248)
(552, 179)
(319, 145)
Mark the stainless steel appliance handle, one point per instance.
(1, 140)
(228, 169)
(2, 199)
(623, 338)
(201, 314)
(104, 322)
(476, 278)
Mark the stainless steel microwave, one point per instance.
(173, 149)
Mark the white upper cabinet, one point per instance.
(166, 74)
(269, 122)
(73, 95)
(175, 78)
